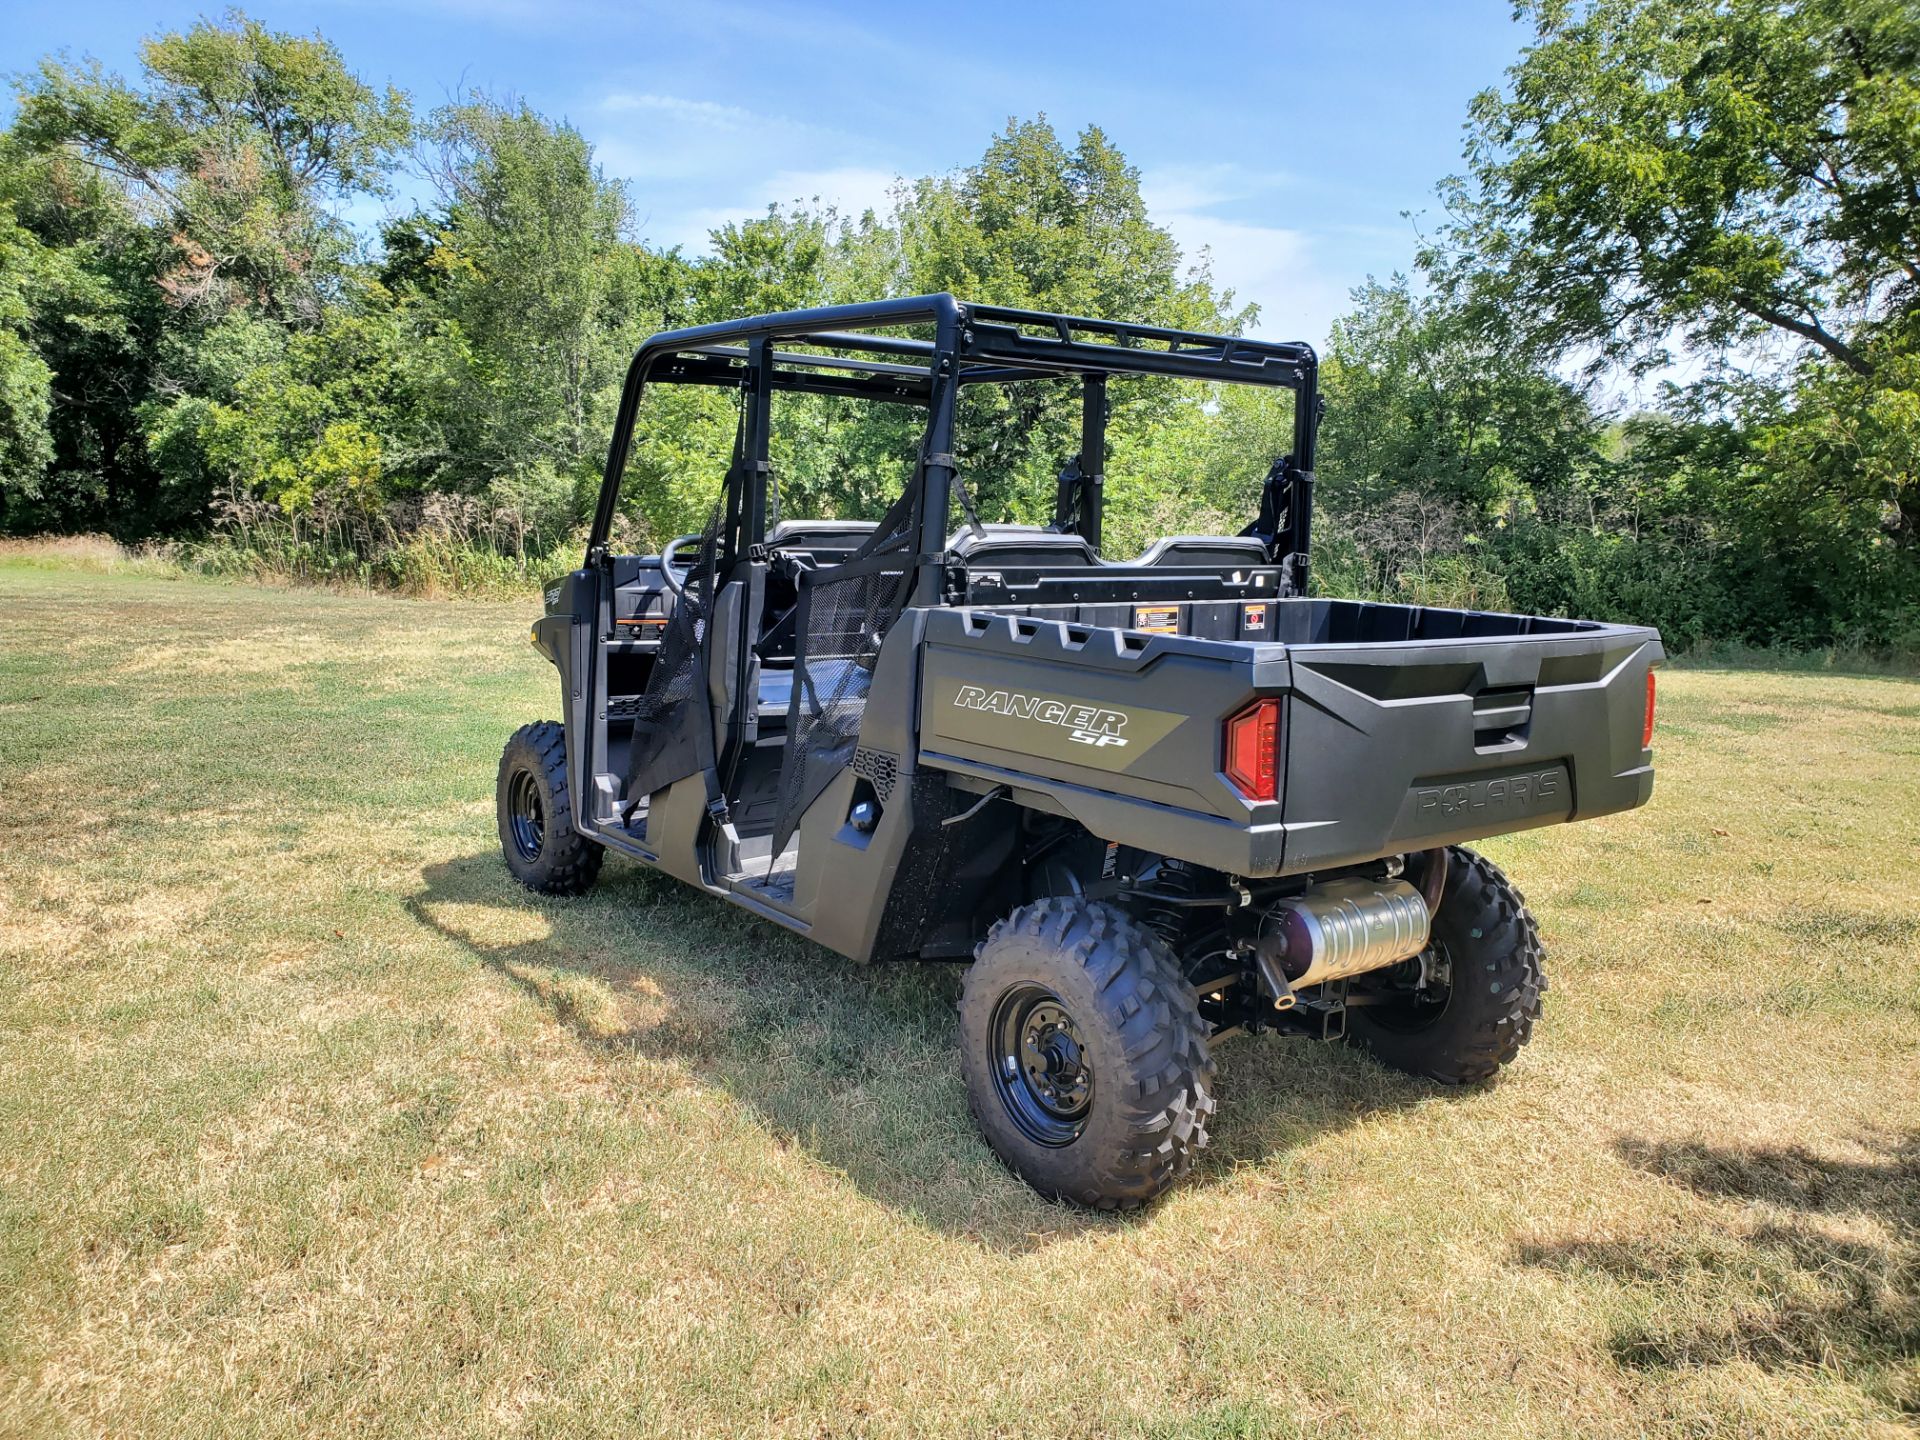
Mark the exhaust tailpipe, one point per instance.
(1341, 928)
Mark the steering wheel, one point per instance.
(668, 553)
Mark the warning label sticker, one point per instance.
(1157, 619)
(1253, 617)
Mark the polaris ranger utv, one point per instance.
(1153, 801)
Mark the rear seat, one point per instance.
(826, 543)
(1019, 547)
(1014, 547)
(1029, 547)
(776, 686)
(1205, 552)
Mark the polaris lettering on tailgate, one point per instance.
(1059, 727)
(1516, 792)
(1508, 799)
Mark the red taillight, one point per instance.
(1253, 750)
(1646, 732)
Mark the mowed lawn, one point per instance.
(312, 1123)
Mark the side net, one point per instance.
(843, 614)
(673, 731)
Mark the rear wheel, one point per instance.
(542, 849)
(1464, 1007)
(1085, 1055)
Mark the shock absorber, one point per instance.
(1167, 920)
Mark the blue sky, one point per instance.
(1285, 138)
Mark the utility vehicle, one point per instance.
(1153, 800)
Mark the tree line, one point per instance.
(196, 346)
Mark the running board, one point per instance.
(775, 889)
(627, 842)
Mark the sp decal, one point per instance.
(1084, 724)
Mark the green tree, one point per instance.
(1438, 431)
(81, 273)
(1041, 225)
(787, 259)
(26, 382)
(1034, 223)
(345, 413)
(1426, 398)
(539, 293)
(1718, 176)
(238, 143)
(185, 226)
(831, 456)
(1720, 172)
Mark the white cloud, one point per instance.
(1202, 187)
(695, 164)
(1279, 268)
(850, 190)
(1270, 266)
(698, 112)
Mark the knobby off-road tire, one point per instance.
(543, 850)
(1132, 1089)
(1489, 949)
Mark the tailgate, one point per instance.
(1414, 744)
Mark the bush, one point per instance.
(435, 545)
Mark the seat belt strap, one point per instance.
(952, 467)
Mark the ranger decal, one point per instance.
(1086, 724)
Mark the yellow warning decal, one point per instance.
(1253, 617)
(1157, 619)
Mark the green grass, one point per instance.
(312, 1123)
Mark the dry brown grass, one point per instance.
(311, 1123)
(81, 552)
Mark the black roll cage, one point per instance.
(971, 344)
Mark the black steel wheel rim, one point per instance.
(1415, 1005)
(1041, 1069)
(526, 814)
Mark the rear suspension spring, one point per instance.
(1170, 921)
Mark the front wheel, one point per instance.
(542, 849)
(1463, 1008)
(1084, 1054)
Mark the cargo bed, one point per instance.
(1403, 727)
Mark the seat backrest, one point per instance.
(826, 541)
(1205, 552)
(1019, 547)
(799, 532)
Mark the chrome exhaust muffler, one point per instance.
(1342, 928)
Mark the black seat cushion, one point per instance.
(825, 542)
(821, 532)
(1019, 547)
(776, 685)
(1208, 552)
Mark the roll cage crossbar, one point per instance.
(847, 350)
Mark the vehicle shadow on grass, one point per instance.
(855, 1065)
(1820, 1267)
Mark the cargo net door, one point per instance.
(673, 726)
(843, 613)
